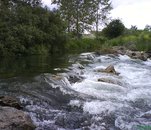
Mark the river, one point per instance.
(63, 92)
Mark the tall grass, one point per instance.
(84, 44)
(140, 41)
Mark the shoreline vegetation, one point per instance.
(28, 28)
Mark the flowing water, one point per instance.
(63, 93)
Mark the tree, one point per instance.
(114, 29)
(25, 27)
(133, 28)
(81, 14)
(33, 3)
(103, 8)
(147, 28)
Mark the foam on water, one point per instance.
(139, 93)
(136, 78)
(97, 107)
(124, 57)
(120, 105)
(134, 75)
(148, 62)
(76, 103)
(99, 90)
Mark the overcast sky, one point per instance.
(131, 12)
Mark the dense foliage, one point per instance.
(27, 28)
(114, 29)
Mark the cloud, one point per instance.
(117, 3)
(47, 2)
(131, 12)
(136, 13)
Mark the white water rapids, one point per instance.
(129, 102)
(74, 99)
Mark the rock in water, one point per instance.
(137, 55)
(111, 69)
(13, 119)
(9, 101)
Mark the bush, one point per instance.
(38, 50)
(114, 29)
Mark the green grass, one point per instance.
(140, 41)
(136, 41)
(84, 44)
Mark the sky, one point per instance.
(131, 12)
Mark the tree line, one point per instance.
(83, 15)
(26, 27)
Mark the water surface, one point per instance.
(63, 93)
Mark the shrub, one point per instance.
(114, 29)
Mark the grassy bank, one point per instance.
(82, 45)
(137, 41)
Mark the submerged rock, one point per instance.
(146, 115)
(74, 78)
(87, 56)
(9, 101)
(107, 80)
(56, 77)
(78, 65)
(73, 120)
(13, 119)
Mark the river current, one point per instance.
(74, 99)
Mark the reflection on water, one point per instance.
(31, 65)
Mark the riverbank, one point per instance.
(136, 41)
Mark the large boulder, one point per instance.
(110, 69)
(9, 101)
(14, 119)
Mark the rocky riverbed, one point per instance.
(96, 92)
